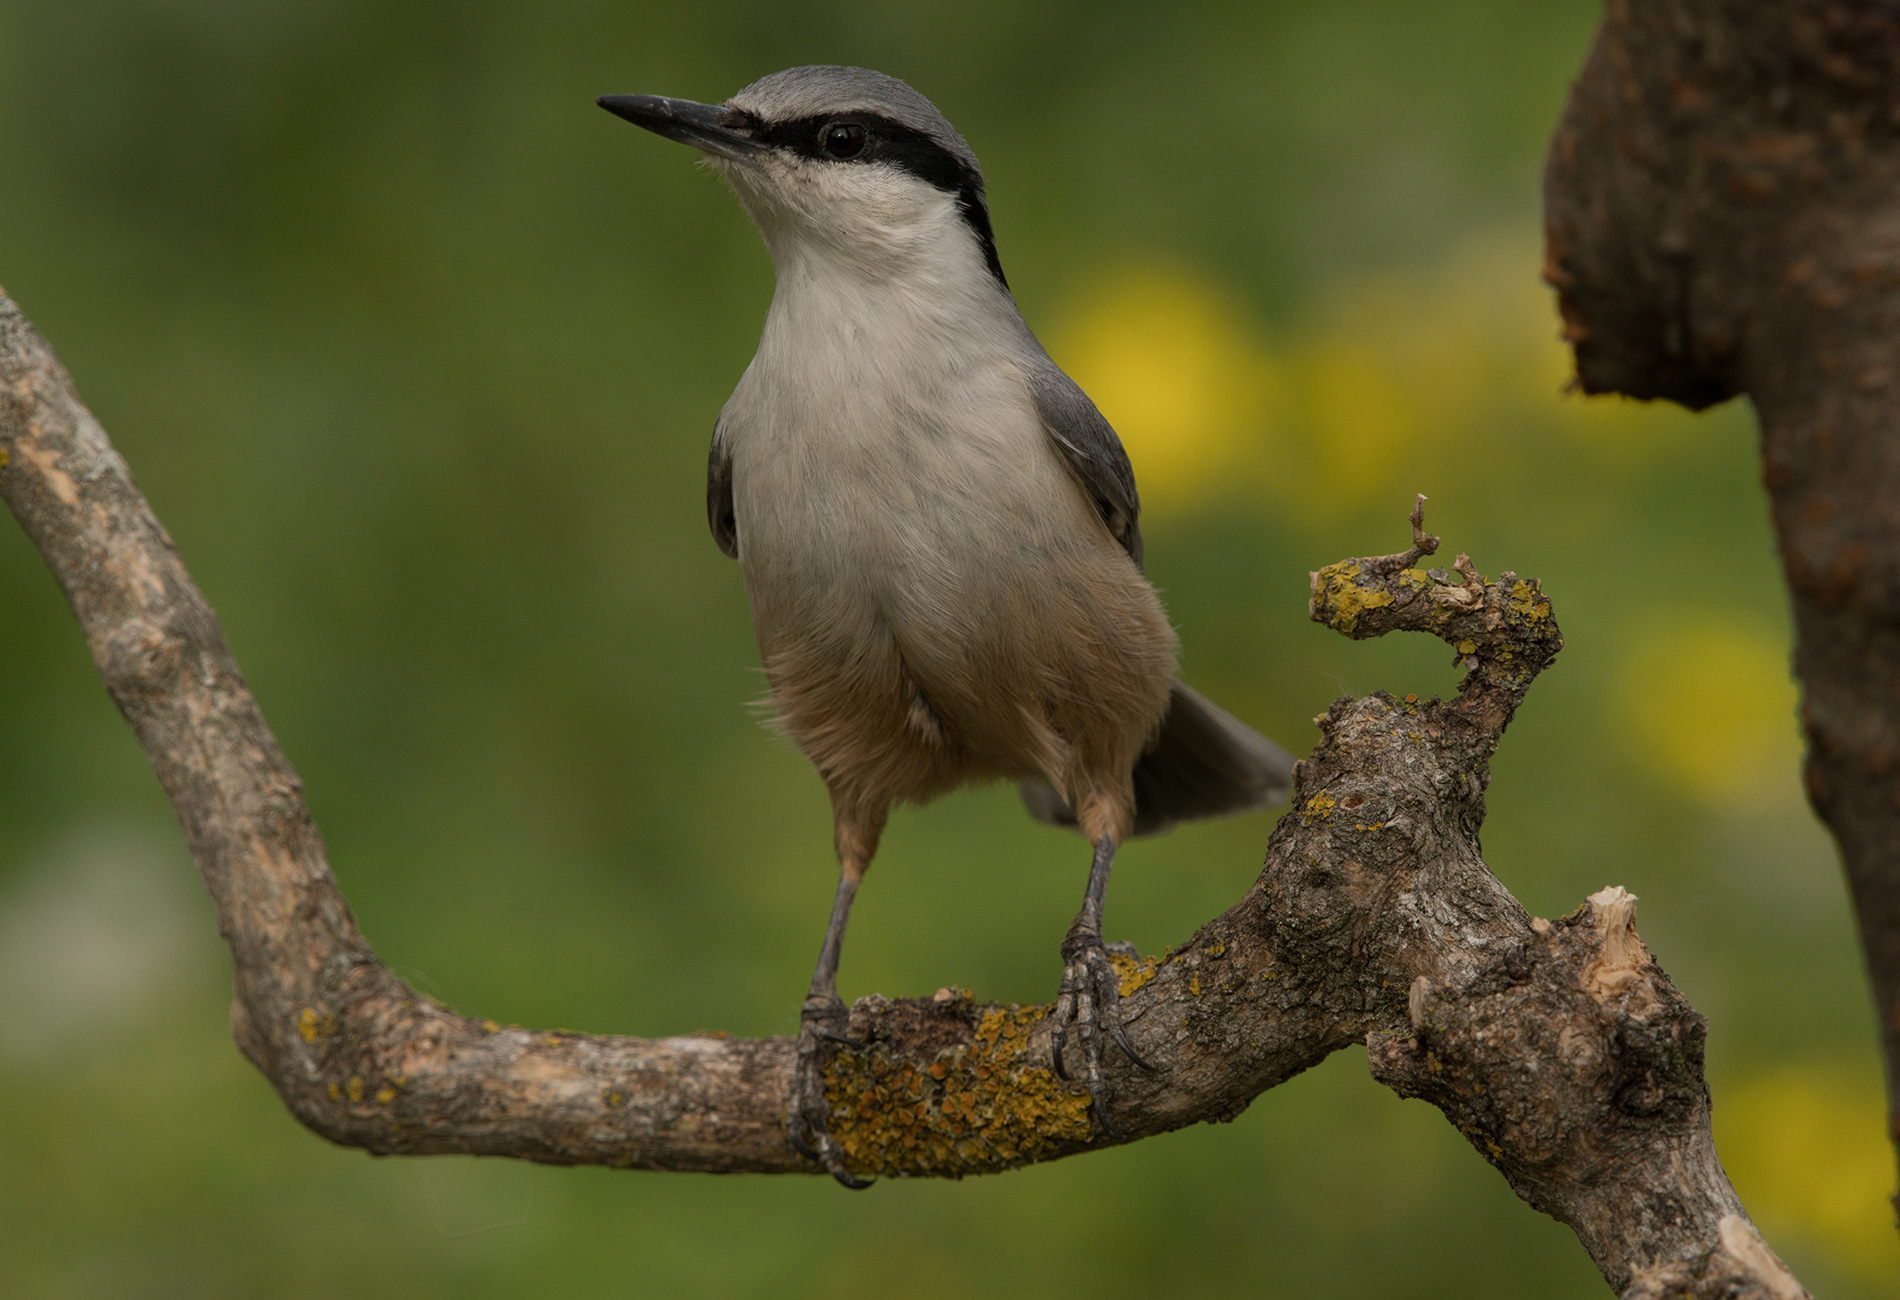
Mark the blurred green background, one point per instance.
(416, 353)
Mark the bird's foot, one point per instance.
(1090, 1001)
(822, 1020)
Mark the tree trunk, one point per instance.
(1722, 204)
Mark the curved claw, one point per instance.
(1090, 999)
(806, 1110)
(825, 1153)
(1120, 1035)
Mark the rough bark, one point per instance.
(1723, 215)
(1559, 1048)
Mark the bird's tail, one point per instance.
(1204, 763)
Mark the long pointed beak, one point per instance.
(703, 126)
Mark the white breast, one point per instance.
(888, 463)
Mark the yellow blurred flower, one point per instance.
(1177, 367)
(1806, 1149)
(1363, 420)
(1709, 703)
(1413, 372)
(1390, 390)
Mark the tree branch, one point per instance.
(1561, 1050)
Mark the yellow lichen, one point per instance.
(1338, 586)
(1528, 602)
(1133, 971)
(1321, 804)
(312, 1026)
(977, 1108)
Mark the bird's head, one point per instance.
(844, 163)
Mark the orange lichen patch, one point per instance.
(1344, 596)
(1528, 602)
(979, 1107)
(1133, 971)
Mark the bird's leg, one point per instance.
(823, 1017)
(1091, 990)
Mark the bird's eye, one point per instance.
(843, 139)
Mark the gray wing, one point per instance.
(1093, 451)
(725, 526)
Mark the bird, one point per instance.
(939, 532)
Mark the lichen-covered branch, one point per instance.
(1721, 219)
(1560, 1049)
(1502, 634)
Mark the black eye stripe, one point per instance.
(891, 143)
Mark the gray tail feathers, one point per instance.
(1204, 763)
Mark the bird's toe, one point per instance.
(807, 1113)
(1089, 1004)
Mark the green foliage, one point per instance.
(416, 353)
